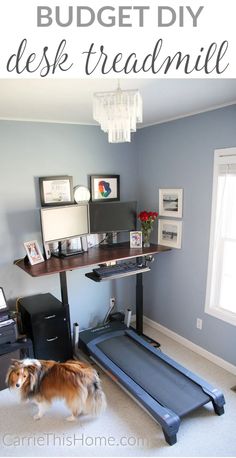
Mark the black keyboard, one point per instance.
(124, 268)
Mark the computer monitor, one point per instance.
(4, 313)
(64, 222)
(108, 217)
(3, 304)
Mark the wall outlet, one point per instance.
(199, 324)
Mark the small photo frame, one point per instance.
(136, 239)
(105, 187)
(171, 202)
(56, 190)
(33, 252)
(94, 239)
(170, 233)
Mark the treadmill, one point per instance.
(164, 388)
(167, 390)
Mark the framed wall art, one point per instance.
(171, 202)
(105, 187)
(170, 233)
(56, 190)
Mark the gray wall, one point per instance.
(180, 154)
(174, 154)
(29, 150)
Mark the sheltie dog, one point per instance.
(43, 381)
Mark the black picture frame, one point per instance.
(111, 188)
(56, 190)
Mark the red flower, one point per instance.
(147, 216)
(147, 220)
(143, 216)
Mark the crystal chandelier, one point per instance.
(118, 112)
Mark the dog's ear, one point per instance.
(8, 376)
(15, 363)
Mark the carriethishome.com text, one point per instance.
(72, 440)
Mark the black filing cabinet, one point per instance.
(46, 321)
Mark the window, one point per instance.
(221, 280)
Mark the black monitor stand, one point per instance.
(62, 253)
(109, 243)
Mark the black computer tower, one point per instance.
(46, 321)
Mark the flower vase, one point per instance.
(146, 238)
(147, 220)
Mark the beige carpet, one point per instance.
(125, 429)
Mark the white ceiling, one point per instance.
(70, 101)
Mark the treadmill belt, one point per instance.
(163, 382)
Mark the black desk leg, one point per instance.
(139, 303)
(64, 292)
(64, 298)
(139, 311)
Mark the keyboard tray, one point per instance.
(94, 277)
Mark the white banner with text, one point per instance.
(118, 39)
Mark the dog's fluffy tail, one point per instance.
(96, 400)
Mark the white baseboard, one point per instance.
(190, 345)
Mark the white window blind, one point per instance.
(221, 281)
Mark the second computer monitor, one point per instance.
(106, 217)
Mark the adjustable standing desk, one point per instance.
(165, 389)
(95, 256)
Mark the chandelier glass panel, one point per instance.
(118, 112)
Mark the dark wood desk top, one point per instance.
(94, 256)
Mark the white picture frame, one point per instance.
(136, 239)
(95, 240)
(33, 252)
(171, 202)
(170, 233)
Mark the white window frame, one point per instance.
(220, 157)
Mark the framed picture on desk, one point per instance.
(33, 252)
(136, 239)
